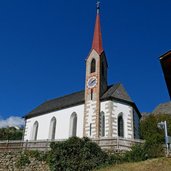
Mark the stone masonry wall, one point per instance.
(8, 163)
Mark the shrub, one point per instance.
(136, 154)
(115, 158)
(23, 160)
(154, 147)
(76, 154)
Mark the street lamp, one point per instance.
(163, 125)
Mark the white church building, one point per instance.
(99, 111)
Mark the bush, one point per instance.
(136, 154)
(23, 160)
(153, 147)
(76, 154)
(115, 158)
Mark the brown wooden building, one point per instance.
(165, 61)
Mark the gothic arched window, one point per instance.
(102, 124)
(35, 131)
(90, 131)
(120, 126)
(93, 66)
(73, 125)
(52, 128)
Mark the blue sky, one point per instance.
(44, 43)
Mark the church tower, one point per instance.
(95, 83)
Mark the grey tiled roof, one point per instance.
(116, 91)
(57, 104)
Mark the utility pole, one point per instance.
(163, 125)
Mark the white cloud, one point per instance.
(12, 121)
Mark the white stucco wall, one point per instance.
(90, 119)
(62, 123)
(106, 108)
(126, 111)
(111, 109)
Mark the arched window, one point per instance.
(90, 131)
(93, 66)
(73, 125)
(120, 126)
(35, 131)
(91, 94)
(52, 128)
(102, 124)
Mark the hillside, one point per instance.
(160, 164)
(163, 108)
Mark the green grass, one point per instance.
(159, 164)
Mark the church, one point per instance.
(99, 111)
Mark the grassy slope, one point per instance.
(160, 164)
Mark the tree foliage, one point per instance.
(11, 133)
(149, 127)
(153, 135)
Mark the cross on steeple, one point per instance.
(98, 6)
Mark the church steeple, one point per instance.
(97, 39)
(95, 83)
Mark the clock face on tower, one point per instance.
(92, 82)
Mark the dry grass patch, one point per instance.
(160, 164)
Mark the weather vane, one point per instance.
(98, 6)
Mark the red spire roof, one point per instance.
(97, 39)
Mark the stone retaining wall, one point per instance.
(8, 163)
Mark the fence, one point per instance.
(115, 144)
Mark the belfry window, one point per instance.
(52, 129)
(120, 126)
(93, 66)
(73, 125)
(35, 131)
(91, 94)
